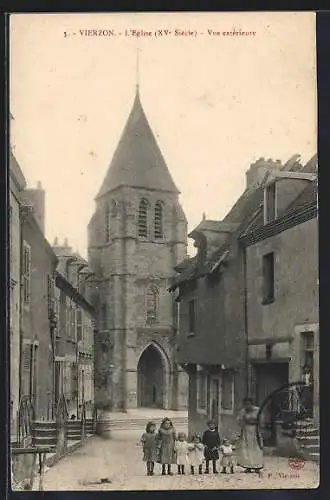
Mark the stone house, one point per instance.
(137, 236)
(281, 254)
(212, 343)
(74, 331)
(38, 264)
(17, 184)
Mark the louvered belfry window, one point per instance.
(143, 219)
(158, 220)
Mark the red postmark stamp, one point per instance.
(296, 463)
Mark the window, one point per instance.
(74, 379)
(192, 314)
(143, 219)
(201, 389)
(158, 220)
(50, 295)
(268, 278)
(70, 318)
(79, 324)
(26, 272)
(227, 391)
(270, 202)
(27, 355)
(308, 349)
(107, 224)
(152, 303)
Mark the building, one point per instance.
(137, 236)
(74, 332)
(38, 264)
(16, 186)
(211, 291)
(281, 248)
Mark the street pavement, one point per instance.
(120, 460)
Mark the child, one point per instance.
(211, 441)
(227, 456)
(166, 441)
(149, 447)
(196, 454)
(181, 449)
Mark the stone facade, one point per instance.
(38, 267)
(218, 292)
(277, 328)
(16, 184)
(74, 332)
(132, 256)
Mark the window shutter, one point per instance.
(26, 272)
(26, 368)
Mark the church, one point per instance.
(136, 237)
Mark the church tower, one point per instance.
(137, 235)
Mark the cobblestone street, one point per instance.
(119, 459)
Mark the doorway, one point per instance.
(214, 399)
(269, 377)
(150, 374)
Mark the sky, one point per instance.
(215, 103)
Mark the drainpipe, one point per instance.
(245, 298)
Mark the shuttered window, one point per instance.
(27, 354)
(26, 275)
(79, 324)
(51, 294)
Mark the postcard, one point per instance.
(164, 322)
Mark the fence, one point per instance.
(41, 437)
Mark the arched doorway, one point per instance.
(151, 378)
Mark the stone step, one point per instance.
(307, 432)
(312, 448)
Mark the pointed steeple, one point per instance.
(138, 161)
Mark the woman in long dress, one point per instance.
(250, 450)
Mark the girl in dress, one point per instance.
(196, 454)
(149, 447)
(250, 453)
(211, 441)
(166, 441)
(227, 456)
(181, 450)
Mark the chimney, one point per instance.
(258, 171)
(36, 198)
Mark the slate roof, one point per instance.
(138, 161)
(248, 213)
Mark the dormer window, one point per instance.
(158, 220)
(143, 219)
(270, 203)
